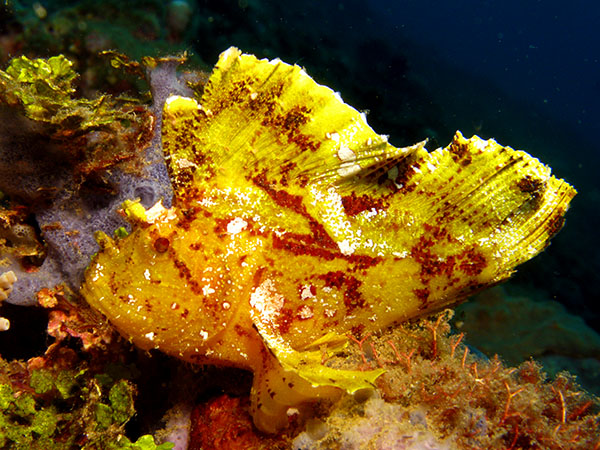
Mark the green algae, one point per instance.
(43, 381)
(145, 442)
(45, 88)
(57, 407)
(23, 422)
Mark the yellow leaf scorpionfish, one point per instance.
(295, 224)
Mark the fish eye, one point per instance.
(161, 244)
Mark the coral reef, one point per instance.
(79, 160)
(540, 328)
(83, 29)
(7, 279)
(223, 423)
(372, 424)
(432, 393)
(65, 400)
(436, 394)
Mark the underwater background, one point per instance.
(526, 73)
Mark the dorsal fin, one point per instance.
(267, 136)
(269, 117)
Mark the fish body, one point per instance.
(294, 225)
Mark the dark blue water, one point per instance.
(546, 53)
